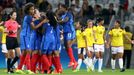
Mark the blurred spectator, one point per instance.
(1, 14)
(43, 6)
(107, 14)
(131, 18)
(127, 49)
(86, 12)
(97, 11)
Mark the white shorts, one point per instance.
(4, 48)
(116, 50)
(82, 51)
(99, 48)
(90, 49)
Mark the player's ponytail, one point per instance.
(51, 17)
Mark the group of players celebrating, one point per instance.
(41, 35)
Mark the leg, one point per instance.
(100, 61)
(120, 57)
(17, 50)
(129, 59)
(124, 58)
(113, 61)
(34, 60)
(56, 61)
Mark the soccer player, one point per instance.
(116, 40)
(48, 42)
(89, 40)
(81, 44)
(11, 40)
(99, 42)
(35, 40)
(25, 34)
(4, 48)
(69, 34)
(56, 52)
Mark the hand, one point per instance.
(132, 41)
(107, 46)
(2, 22)
(45, 21)
(33, 19)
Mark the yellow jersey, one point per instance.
(127, 44)
(88, 33)
(117, 37)
(80, 39)
(99, 34)
(2, 29)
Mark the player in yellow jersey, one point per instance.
(116, 40)
(99, 42)
(89, 39)
(81, 47)
(4, 48)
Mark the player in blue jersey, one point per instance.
(25, 34)
(35, 41)
(69, 34)
(48, 42)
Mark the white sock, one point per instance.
(86, 62)
(113, 63)
(90, 62)
(100, 63)
(79, 63)
(6, 61)
(94, 60)
(121, 63)
(16, 64)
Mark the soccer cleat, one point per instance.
(56, 72)
(122, 70)
(29, 72)
(100, 71)
(76, 70)
(89, 69)
(19, 72)
(50, 70)
(70, 64)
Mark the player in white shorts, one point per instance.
(99, 42)
(116, 40)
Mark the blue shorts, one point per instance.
(47, 45)
(35, 42)
(24, 42)
(58, 45)
(69, 36)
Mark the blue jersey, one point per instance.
(68, 26)
(48, 39)
(35, 38)
(26, 28)
(57, 37)
(34, 32)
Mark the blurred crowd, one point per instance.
(81, 9)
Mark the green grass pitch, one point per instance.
(83, 72)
